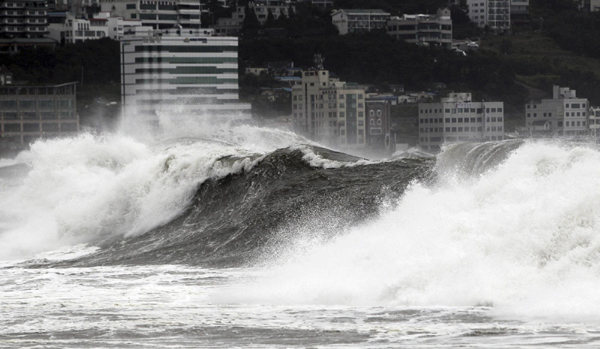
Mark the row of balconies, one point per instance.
(23, 13)
(23, 30)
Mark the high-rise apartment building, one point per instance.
(494, 14)
(180, 70)
(458, 119)
(328, 110)
(23, 24)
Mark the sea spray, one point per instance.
(522, 237)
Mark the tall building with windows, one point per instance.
(458, 119)
(180, 70)
(23, 24)
(328, 110)
(494, 14)
(564, 114)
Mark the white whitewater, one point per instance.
(91, 188)
(523, 238)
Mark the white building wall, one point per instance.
(458, 119)
(492, 13)
(183, 70)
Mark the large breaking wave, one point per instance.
(513, 225)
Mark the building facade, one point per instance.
(180, 70)
(359, 21)
(458, 119)
(328, 110)
(519, 11)
(156, 14)
(29, 112)
(494, 14)
(378, 124)
(424, 29)
(23, 24)
(565, 113)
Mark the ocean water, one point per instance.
(247, 237)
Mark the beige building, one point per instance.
(328, 110)
(458, 118)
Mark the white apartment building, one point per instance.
(359, 21)
(186, 71)
(564, 114)
(458, 119)
(328, 110)
(155, 13)
(429, 29)
(494, 14)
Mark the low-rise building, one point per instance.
(29, 112)
(358, 20)
(156, 14)
(566, 113)
(459, 119)
(423, 29)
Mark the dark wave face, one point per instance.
(238, 218)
